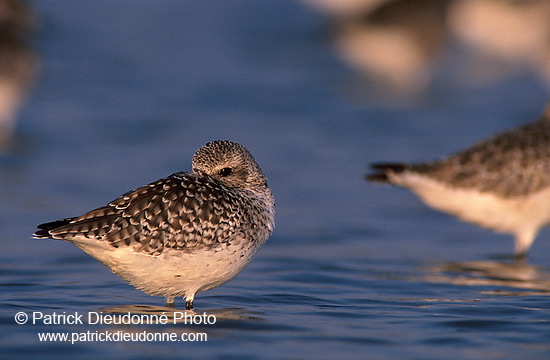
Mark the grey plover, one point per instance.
(183, 234)
(501, 183)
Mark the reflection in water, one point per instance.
(516, 274)
(18, 63)
(220, 314)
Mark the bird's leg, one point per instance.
(189, 304)
(170, 301)
(520, 258)
(523, 242)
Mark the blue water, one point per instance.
(129, 90)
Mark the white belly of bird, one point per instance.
(516, 215)
(176, 273)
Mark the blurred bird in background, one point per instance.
(18, 62)
(398, 45)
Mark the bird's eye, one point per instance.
(225, 172)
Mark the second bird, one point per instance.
(501, 183)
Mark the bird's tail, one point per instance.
(43, 231)
(381, 171)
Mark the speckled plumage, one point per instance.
(194, 231)
(502, 183)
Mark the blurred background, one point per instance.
(99, 97)
(316, 89)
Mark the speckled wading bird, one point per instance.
(501, 183)
(183, 234)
